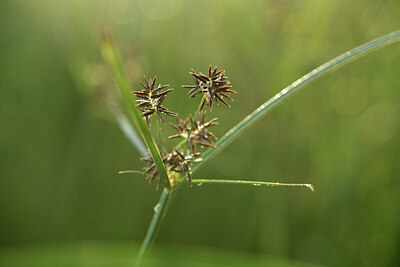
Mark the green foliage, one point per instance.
(61, 149)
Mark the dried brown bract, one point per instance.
(215, 87)
(151, 98)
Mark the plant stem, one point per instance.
(181, 143)
(112, 57)
(159, 213)
(160, 140)
(254, 183)
(199, 107)
(186, 142)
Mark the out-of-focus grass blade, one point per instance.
(265, 108)
(128, 130)
(113, 59)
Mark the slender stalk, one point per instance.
(160, 140)
(199, 107)
(159, 213)
(265, 108)
(181, 143)
(112, 57)
(254, 183)
(196, 114)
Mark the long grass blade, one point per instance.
(253, 183)
(113, 59)
(265, 108)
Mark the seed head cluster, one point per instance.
(175, 161)
(194, 130)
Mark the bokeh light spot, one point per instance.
(160, 10)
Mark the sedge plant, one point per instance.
(172, 169)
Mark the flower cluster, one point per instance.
(215, 87)
(175, 161)
(194, 130)
(150, 100)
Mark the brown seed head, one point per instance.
(151, 98)
(215, 87)
(196, 132)
(175, 161)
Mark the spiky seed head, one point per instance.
(215, 87)
(150, 99)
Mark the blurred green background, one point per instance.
(63, 203)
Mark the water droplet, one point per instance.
(199, 184)
(156, 207)
(310, 186)
(257, 184)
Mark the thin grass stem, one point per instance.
(160, 139)
(253, 183)
(196, 114)
(199, 107)
(181, 143)
(131, 171)
(112, 57)
(159, 213)
(265, 108)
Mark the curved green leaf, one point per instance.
(265, 108)
(253, 183)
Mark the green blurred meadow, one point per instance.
(62, 202)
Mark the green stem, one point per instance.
(112, 57)
(186, 142)
(199, 107)
(181, 143)
(159, 213)
(160, 140)
(254, 183)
